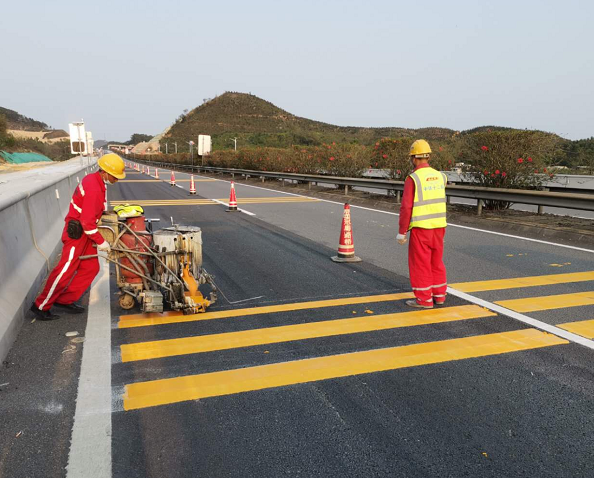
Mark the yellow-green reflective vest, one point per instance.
(429, 207)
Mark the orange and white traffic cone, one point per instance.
(172, 181)
(192, 185)
(156, 173)
(346, 245)
(148, 170)
(232, 199)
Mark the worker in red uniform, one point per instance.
(71, 277)
(423, 213)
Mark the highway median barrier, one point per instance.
(33, 206)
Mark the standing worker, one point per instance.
(79, 237)
(423, 213)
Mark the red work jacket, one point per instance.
(87, 205)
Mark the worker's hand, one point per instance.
(104, 247)
(401, 238)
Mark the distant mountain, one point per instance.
(18, 121)
(259, 122)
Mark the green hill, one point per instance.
(11, 120)
(18, 121)
(257, 122)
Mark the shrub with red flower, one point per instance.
(502, 164)
(392, 155)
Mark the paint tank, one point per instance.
(186, 241)
(142, 243)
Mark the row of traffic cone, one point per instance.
(346, 245)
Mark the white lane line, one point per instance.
(449, 223)
(524, 238)
(396, 214)
(578, 339)
(239, 209)
(90, 448)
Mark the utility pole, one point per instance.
(235, 141)
(166, 148)
(175, 144)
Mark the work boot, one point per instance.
(414, 303)
(72, 308)
(43, 314)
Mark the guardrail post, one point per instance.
(540, 206)
(262, 178)
(479, 207)
(283, 182)
(346, 190)
(448, 199)
(309, 185)
(398, 197)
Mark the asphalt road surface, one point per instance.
(306, 367)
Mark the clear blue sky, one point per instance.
(133, 66)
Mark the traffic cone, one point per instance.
(192, 185)
(346, 245)
(156, 173)
(172, 182)
(232, 199)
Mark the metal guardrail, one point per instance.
(583, 202)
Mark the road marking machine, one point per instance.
(156, 269)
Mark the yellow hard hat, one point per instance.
(111, 163)
(420, 149)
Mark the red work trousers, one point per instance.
(71, 277)
(425, 265)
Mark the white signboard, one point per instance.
(204, 145)
(78, 138)
(90, 143)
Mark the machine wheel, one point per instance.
(126, 301)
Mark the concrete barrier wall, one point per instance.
(31, 222)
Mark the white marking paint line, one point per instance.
(551, 329)
(239, 209)
(524, 238)
(90, 448)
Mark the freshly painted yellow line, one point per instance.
(164, 179)
(165, 201)
(585, 328)
(142, 320)
(288, 333)
(548, 302)
(193, 387)
(520, 282)
(186, 202)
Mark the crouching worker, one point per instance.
(423, 213)
(71, 277)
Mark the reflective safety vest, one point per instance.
(429, 207)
